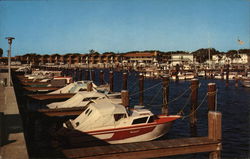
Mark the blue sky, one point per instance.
(69, 26)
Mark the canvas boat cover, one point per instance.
(99, 114)
(73, 87)
(80, 99)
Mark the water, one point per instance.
(232, 102)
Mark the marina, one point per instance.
(110, 79)
(193, 139)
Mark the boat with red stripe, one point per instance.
(114, 124)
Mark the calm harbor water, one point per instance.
(232, 102)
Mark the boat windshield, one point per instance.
(89, 98)
(140, 120)
(119, 116)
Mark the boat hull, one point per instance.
(140, 133)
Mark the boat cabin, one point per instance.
(104, 114)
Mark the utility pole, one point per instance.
(9, 58)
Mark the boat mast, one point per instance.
(209, 59)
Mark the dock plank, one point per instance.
(147, 149)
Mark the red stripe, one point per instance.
(161, 120)
(130, 133)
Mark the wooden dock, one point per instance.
(147, 149)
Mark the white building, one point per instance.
(223, 59)
(181, 59)
(242, 59)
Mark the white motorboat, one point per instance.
(184, 76)
(73, 87)
(82, 98)
(112, 123)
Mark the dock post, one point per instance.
(236, 80)
(86, 75)
(76, 74)
(211, 96)
(2, 129)
(245, 72)
(80, 74)
(125, 98)
(205, 73)
(141, 88)
(93, 75)
(194, 104)
(124, 81)
(214, 132)
(89, 87)
(227, 76)
(101, 77)
(165, 95)
(177, 72)
(222, 74)
(111, 81)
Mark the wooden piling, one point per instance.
(93, 75)
(177, 72)
(214, 132)
(2, 129)
(141, 88)
(124, 81)
(165, 94)
(89, 87)
(194, 104)
(205, 73)
(86, 75)
(222, 74)
(125, 98)
(101, 77)
(211, 96)
(80, 74)
(111, 81)
(236, 80)
(227, 76)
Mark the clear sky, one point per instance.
(69, 26)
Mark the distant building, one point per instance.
(181, 59)
(222, 59)
(241, 59)
(141, 57)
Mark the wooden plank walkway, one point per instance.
(147, 149)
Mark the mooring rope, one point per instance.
(196, 108)
(186, 103)
(132, 86)
(146, 89)
(156, 95)
(179, 95)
